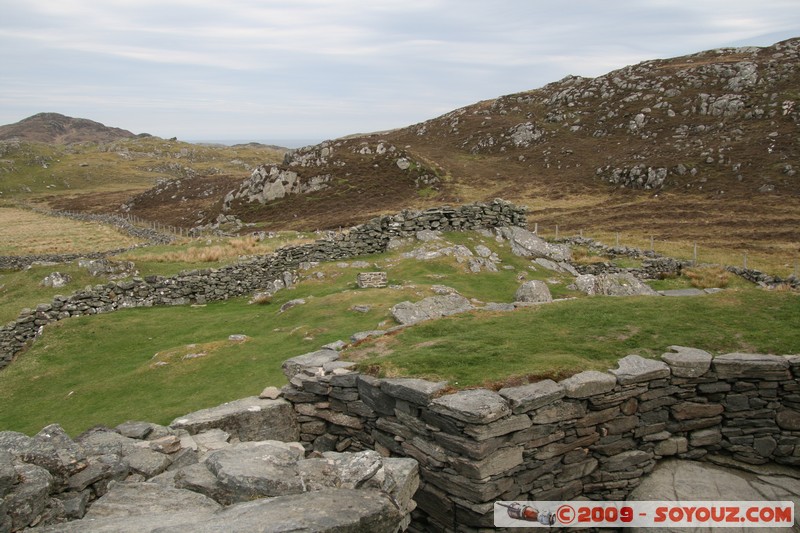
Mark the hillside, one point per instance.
(696, 148)
(55, 128)
(703, 146)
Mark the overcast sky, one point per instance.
(275, 70)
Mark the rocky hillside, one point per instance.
(702, 143)
(701, 147)
(55, 128)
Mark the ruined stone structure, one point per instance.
(257, 274)
(595, 434)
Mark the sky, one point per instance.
(299, 71)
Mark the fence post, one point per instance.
(694, 255)
(652, 244)
(745, 260)
(536, 227)
(617, 245)
(556, 231)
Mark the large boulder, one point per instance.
(430, 308)
(527, 244)
(533, 291)
(623, 284)
(248, 419)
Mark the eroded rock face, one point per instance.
(673, 480)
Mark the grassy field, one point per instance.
(33, 169)
(495, 349)
(188, 254)
(109, 368)
(24, 232)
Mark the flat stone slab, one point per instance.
(248, 419)
(682, 292)
(476, 406)
(588, 384)
(675, 480)
(751, 365)
(418, 391)
(325, 511)
(533, 395)
(635, 369)
(253, 470)
(687, 362)
(295, 365)
(135, 499)
(430, 308)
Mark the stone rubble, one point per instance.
(216, 468)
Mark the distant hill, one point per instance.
(55, 128)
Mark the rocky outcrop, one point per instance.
(527, 244)
(268, 183)
(433, 307)
(622, 284)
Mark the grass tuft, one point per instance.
(708, 277)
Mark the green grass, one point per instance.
(101, 369)
(590, 333)
(20, 289)
(41, 168)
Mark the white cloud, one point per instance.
(336, 66)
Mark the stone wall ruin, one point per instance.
(594, 435)
(249, 276)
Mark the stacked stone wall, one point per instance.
(592, 435)
(248, 276)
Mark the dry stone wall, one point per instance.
(593, 435)
(256, 274)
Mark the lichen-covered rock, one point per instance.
(533, 291)
(622, 284)
(433, 307)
